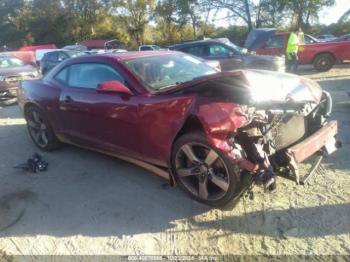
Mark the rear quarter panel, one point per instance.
(43, 95)
(340, 50)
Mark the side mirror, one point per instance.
(113, 87)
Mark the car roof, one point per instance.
(56, 51)
(196, 42)
(137, 54)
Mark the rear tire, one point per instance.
(207, 168)
(324, 62)
(40, 129)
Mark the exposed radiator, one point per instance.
(291, 129)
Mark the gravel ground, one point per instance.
(88, 203)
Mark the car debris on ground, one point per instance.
(35, 164)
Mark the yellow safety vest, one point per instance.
(293, 43)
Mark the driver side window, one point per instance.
(89, 75)
(218, 51)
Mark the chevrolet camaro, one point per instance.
(212, 133)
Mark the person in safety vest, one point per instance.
(292, 52)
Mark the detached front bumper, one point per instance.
(324, 137)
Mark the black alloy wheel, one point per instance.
(324, 62)
(40, 129)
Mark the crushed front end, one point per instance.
(284, 132)
(283, 120)
(279, 140)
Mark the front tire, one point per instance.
(40, 130)
(203, 171)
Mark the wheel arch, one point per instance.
(191, 124)
(37, 105)
(32, 104)
(325, 53)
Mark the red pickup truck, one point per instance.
(322, 55)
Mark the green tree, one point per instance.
(306, 11)
(345, 17)
(137, 14)
(165, 16)
(238, 9)
(189, 11)
(13, 27)
(271, 13)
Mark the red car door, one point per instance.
(103, 121)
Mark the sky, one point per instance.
(332, 14)
(327, 16)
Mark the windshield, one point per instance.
(155, 47)
(308, 39)
(236, 48)
(159, 72)
(9, 61)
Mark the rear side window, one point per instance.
(90, 75)
(146, 48)
(275, 42)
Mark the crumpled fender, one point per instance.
(220, 120)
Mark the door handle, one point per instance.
(68, 99)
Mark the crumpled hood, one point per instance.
(258, 37)
(267, 86)
(248, 87)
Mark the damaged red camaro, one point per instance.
(213, 133)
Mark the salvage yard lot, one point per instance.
(88, 203)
